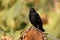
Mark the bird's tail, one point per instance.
(41, 28)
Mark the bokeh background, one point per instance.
(14, 17)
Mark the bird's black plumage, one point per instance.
(35, 19)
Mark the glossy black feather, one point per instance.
(35, 19)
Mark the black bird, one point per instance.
(35, 19)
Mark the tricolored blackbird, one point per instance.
(35, 19)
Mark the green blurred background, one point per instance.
(14, 17)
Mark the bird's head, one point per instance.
(32, 10)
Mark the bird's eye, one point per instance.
(32, 10)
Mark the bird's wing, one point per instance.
(39, 19)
